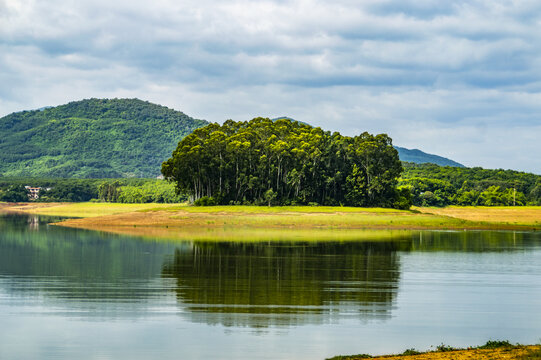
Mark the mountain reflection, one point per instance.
(285, 283)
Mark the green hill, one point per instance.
(420, 157)
(92, 138)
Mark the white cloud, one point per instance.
(455, 78)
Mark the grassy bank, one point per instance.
(253, 223)
(492, 350)
(177, 221)
(501, 215)
(81, 210)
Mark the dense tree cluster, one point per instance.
(285, 162)
(432, 185)
(144, 191)
(14, 193)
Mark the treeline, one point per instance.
(121, 191)
(79, 190)
(432, 185)
(287, 163)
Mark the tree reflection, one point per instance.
(286, 284)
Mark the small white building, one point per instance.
(33, 192)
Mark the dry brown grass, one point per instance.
(520, 215)
(513, 353)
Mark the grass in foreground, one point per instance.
(491, 350)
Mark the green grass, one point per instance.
(86, 209)
(250, 209)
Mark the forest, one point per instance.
(432, 185)
(285, 162)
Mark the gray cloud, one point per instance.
(456, 78)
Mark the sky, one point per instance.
(460, 79)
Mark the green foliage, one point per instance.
(445, 348)
(95, 138)
(270, 196)
(69, 191)
(285, 162)
(403, 198)
(495, 344)
(205, 201)
(138, 191)
(432, 185)
(411, 351)
(14, 193)
(350, 357)
(78, 190)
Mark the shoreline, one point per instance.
(489, 351)
(249, 223)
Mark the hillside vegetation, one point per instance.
(95, 138)
(432, 185)
(420, 157)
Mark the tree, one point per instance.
(294, 163)
(14, 193)
(270, 196)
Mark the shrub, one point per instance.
(205, 201)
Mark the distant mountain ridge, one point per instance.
(420, 157)
(92, 138)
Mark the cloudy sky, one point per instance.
(460, 79)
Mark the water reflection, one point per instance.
(474, 241)
(286, 283)
(230, 283)
(84, 272)
(68, 294)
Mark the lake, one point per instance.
(76, 294)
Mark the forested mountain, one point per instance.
(92, 138)
(420, 157)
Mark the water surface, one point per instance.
(67, 293)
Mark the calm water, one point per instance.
(72, 294)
